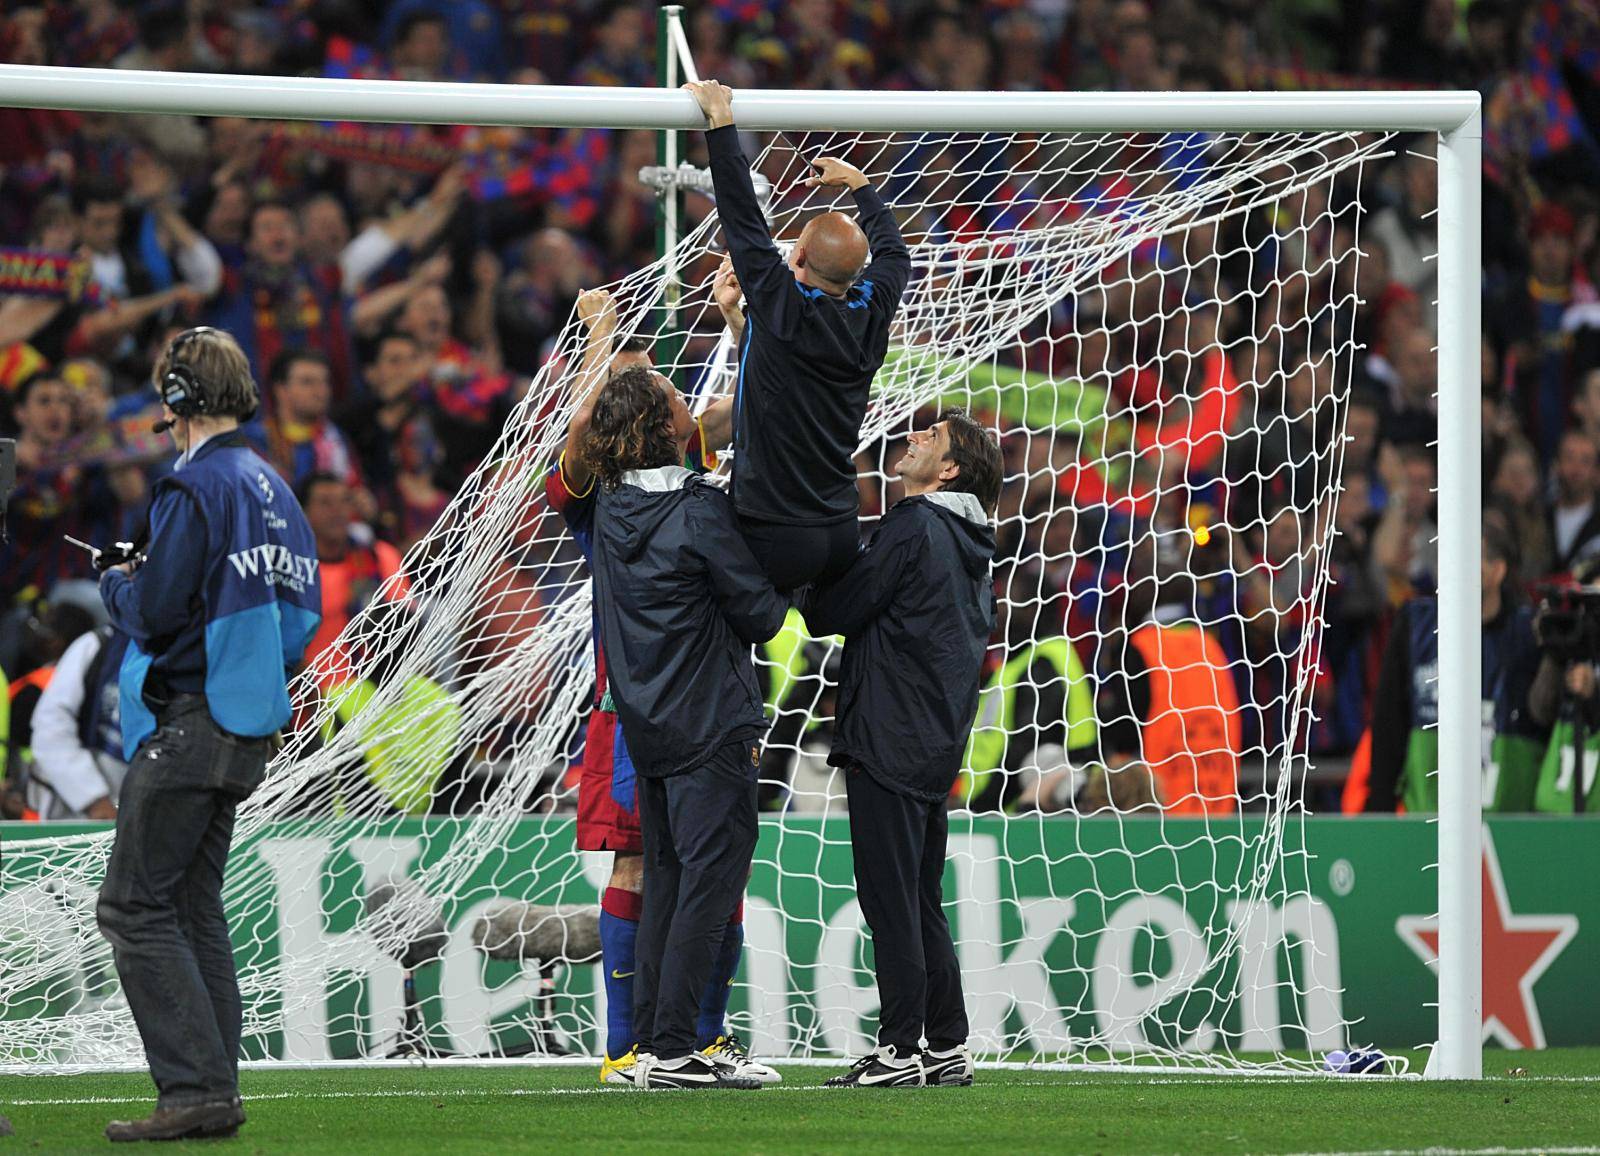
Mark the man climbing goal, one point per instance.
(815, 332)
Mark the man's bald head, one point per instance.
(830, 254)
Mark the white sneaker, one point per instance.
(883, 1068)
(733, 1058)
(687, 1072)
(948, 1069)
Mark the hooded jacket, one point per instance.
(680, 600)
(916, 610)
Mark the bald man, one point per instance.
(815, 332)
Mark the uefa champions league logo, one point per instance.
(266, 488)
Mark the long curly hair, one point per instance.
(630, 428)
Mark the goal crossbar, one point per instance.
(760, 110)
(1455, 116)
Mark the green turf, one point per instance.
(496, 1110)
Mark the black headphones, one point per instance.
(181, 388)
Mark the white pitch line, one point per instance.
(425, 1093)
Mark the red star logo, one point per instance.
(1516, 951)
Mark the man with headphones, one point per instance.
(218, 610)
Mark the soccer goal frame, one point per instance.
(1454, 116)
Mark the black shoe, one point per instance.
(882, 1069)
(695, 1070)
(215, 1119)
(948, 1069)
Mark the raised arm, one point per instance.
(767, 282)
(598, 312)
(891, 260)
(716, 423)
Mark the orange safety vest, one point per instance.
(1192, 735)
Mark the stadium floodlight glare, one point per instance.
(501, 605)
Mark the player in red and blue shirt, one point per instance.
(608, 810)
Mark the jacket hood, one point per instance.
(637, 506)
(973, 534)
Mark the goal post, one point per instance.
(1453, 116)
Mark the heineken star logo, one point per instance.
(1516, 951)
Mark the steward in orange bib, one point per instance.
(1173, 704)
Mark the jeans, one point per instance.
(899, 850)
(699, 833)
(161, 903)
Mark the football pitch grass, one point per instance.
(437, 1111)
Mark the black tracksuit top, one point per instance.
(680, 600)
(806, 360)
(916, 610)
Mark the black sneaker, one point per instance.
(687, 1072)
(948, 1069)
(882, 1069)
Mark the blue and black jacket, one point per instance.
(807, 360)
(227, 600)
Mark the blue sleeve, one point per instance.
(158, 600)
(769, 286)
(891, 260)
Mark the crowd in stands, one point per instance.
(397, 289)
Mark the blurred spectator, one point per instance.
(932, 41)
(1405, 549)
(166, 268)
(353, 565)
(1023, 43)
(391, 431)
(275, 301)
(536, 300)
(1516, 490)
(1405, 230)
(77, 733)
(296, 436)
(50, 498)
(621, 53)
(40, 637)
(165, 44)
(1405, 721)
(1413, 407)
(470, 396)
(1166, 698)
(421, 48)
(470, 37)
(1527, 322)
(1575, 522)
(36, 329)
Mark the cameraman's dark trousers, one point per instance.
(898, 844)
(699, 831)
(161, 903)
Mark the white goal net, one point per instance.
(1162, 329)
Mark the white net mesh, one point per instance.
(1162, 327)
